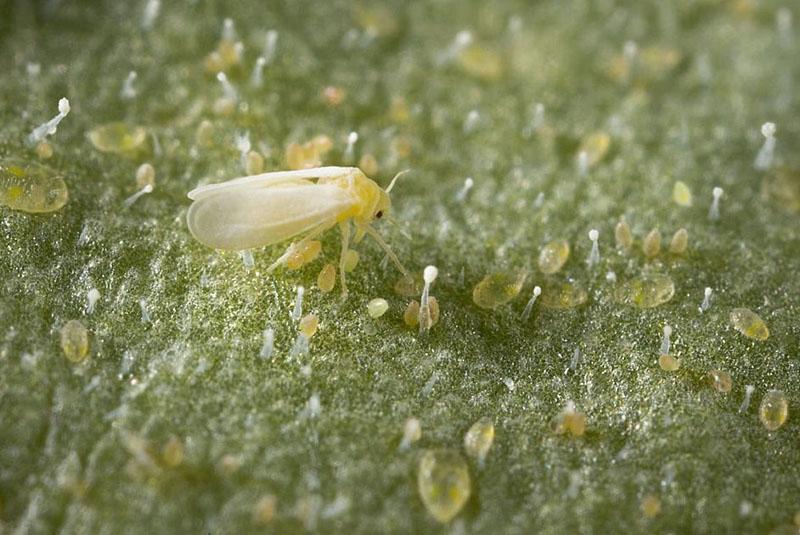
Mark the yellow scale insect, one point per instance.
(266, 209)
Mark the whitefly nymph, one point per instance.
(270, 208)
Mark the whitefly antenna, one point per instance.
(394, 180)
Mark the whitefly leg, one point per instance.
(344, 226)
(386, 249)
(316, 231)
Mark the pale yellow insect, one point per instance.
(266, 209)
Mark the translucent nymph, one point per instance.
(118, 138)
(443, 482)
(679, 242)
(411, 314)
(308, 325)
(481, 62)
(650, 506)
(749, 324)
(721, 381)
(668, 363)
(774, 410)
(368, 164)
(303, 253)
(146, 175)
(651, 245)
(408, 286)
(595, 146)
(32, 188)
(173, 452)
(351, 259)
(498, 288)
(646, 291)
(553, 256)
(681, 194)
(326, 279)
(622, 234)
(74, 341)
(377, 307)
(569, 421)
(309, 154)
(479, 438)
(565, 295)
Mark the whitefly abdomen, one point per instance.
(248, 216)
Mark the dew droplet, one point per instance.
(553, 256)
(713, 212)
(646, 291)
(32, 188)
(749, 324)
(74, 341)
(443, 482)
(498, 288)
(537, 291)
(748, 392)
(774, 410)
(594, 255)
(118, 138)
(92, 297)
(298, 303)
(568, 294)
(479, 438)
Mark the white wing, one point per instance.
(250, 215)
(268, 180)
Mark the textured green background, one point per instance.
(193, 372)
